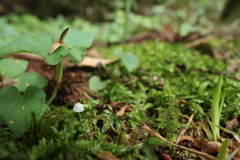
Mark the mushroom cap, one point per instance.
(78, 107)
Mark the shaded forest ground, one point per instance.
(168, 95)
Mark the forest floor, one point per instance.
(149, 97)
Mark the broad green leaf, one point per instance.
(187, 28)
(78, 42)
(129, 60)
(29, 79)
(41, 44)
(96, 84)
(16, 109)
(10, 67)
(37, 44)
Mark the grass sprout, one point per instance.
(217, 105)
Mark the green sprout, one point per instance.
(59, 66)
(217, 105)
(223, 151)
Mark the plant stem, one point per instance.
(125, 28)
(59, 73)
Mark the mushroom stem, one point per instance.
(80, 116)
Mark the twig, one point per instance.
(205, 155)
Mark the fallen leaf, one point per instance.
(187, 141)
(93, 53)
(230, 126)
(122, 111)
(94, 62)
(211, 147)
(232, 149)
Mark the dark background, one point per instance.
(93, 10)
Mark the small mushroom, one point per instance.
(78, 107)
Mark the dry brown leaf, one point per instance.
(232, 149)
(105, 155)
(93, 53)
(185, 128)
(122, 111)
(202, 157)
(94, 62)
(186, 138)
(230, 126)
(211, 147)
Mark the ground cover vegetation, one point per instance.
(158, 83)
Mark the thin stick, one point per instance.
(205, 155)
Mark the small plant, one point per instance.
(15, 108)
(169, 121)
(223, 151)
(217, 105)
(129, 60)
(59, 67)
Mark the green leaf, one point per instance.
(37, 44)
(187, 28)
(10, 67)
(231, 155)
(223, 150)
(216, 109)
(78, 42)
(129, 60)
(156, 141)
(29, 79)
(16, 109)
(107, 125)
(149, 151)
(41, 44)
(96, 84)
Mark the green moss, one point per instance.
(170, 81)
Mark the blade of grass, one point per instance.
(231, 155)
(223, 150)
(222, 103)
(149, 151)
(215, 116)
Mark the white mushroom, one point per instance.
(78, 107)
